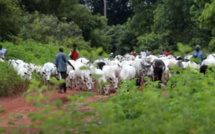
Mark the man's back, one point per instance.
(61, 60)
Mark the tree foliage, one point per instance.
(10, 16)
(68, 10)
(48, 28)
(133, 24)
(118, 11)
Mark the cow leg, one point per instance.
(142, 80)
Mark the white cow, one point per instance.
(49, 70)
(14, 63)
(114, 62)
(129, 57)
(188, 57)
(24, 65)
(102, 79)
(190, 64)
(71, 79)
(84, 60)
(69, 68)
(83, 76)
(125, 63)
(25, 73)
(209, 61)
(119, 58)
(110, 75)
(211, 56)
(127, 72)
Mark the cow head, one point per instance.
(114, 82)
(88, 81)
(106, 89)
(146, 66)
(46, 74)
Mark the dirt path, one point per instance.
(19, 105)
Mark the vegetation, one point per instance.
(184, 105)
(33, 52)
(130, 24)
(33, 30)
(11, 83)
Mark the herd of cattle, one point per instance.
(113, 71)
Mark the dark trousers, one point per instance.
(63, 85)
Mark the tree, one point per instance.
(69, 11)
(118, 11)
(47, 28)
(10, 16)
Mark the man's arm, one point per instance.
(67, 61)
(71, 65)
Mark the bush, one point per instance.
(11, 83)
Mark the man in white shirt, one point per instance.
(3, 52)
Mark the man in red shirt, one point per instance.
(74, 54)
(134, 53)
(168, 52)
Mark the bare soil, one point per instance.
(19, 105)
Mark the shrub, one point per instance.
(11, 83)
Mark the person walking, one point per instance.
(3, 53)
(74, 54)
(61, 64)
(198, 54)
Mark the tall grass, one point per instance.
(33, 52)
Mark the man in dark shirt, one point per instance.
(61, 63)
(198, 54)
